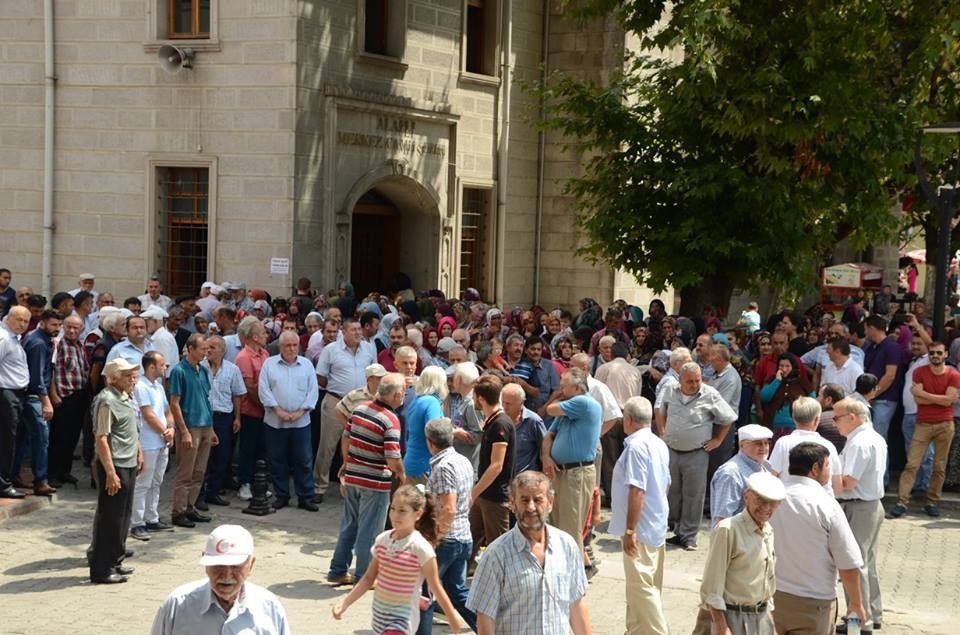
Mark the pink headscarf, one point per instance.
(446, 320)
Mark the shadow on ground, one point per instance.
(305, 590)
(43, 584)
(50, 564)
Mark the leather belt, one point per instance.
(334, 395)
(759, 607)
(570, 466)
(687, 451)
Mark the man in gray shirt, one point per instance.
(690, 410)
(726, 380)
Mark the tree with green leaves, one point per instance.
(778, 130)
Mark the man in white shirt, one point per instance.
(153, 297)
(814, 543)
(163, 341)
(918, 351)
(641, 478)
(86, 281)
(806, 414)
(225, 602)
(842, 370)
(864, 461)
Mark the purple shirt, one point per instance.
(875, 361)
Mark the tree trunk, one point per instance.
(710, 293)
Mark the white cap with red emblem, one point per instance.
(228, 545)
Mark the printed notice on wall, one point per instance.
(280, 265)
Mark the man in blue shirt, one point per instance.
(34, 432)
(529, 428)
(190, 406)
(539, 374)
(568, 452)
(288, 391)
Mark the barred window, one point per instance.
(475, 231)
(182, 228)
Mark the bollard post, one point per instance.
(259, 505)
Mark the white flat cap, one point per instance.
(767, 486)
(754, 432)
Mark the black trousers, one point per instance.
(65, 432)
(89, 443)
(111, 521)
(612, 444)
(11, 409)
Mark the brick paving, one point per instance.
(44, 587)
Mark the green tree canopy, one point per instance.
(782, 128)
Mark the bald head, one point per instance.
(581, 361)
(17, 319)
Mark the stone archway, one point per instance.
(394, 226)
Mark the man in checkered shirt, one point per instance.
(531, 579)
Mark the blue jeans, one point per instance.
(364, 517)
(33, 436)
(926, 468)
(253, 445)
(882, 415)
(289, 448)
(452, 559)
(219, 461)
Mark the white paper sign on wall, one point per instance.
(280, 265)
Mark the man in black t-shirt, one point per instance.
(490, 508)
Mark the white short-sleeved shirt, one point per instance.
(147, 393)
(645, 464)
(864, 458)
(845, 376)
(608, 403)
(909, 401)
(813, 540)
(780, 456)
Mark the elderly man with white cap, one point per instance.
(739, 580)
(86, 281)
(119, 459)
(730, 480)
(224, 602)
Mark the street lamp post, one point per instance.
(944, 199)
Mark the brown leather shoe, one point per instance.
(20, 484)
(43, 489)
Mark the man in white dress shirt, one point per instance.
(842, 369)
(864, 459)
(641, 478)
(814, 543)
(225, 602)
(806, 414)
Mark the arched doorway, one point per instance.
(395, 227)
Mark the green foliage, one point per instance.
(782, 128)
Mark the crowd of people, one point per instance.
(467, 440)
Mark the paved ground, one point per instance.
(44, 587)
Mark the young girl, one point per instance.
(402, 558)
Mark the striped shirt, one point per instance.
(70, 368)
(521, 596)
(374, 434)
(396, 599)
(452, 473)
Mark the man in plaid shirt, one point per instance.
(70, 398)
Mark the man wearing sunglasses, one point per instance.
(935, 388)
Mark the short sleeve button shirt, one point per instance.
(576, 433)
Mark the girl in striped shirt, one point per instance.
(402, 558)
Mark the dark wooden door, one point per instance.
(374, 247)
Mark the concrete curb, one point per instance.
(11, 508)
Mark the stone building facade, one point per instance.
(332, 139)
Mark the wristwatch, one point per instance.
(629, 532)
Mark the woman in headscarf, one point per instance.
(382, 338)
(348, 301)
(778, 396)
(427, 311)
(590, 314)
(562, 352)
(430, 340)
(446, 326)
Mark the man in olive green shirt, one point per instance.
(118, 461)
(738, 584)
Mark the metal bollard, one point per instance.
(259, 505)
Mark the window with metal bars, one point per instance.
(182, 228)
(474, 239)
(188, 19)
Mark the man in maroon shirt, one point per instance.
(935, 388)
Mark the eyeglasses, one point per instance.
(937, 353)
